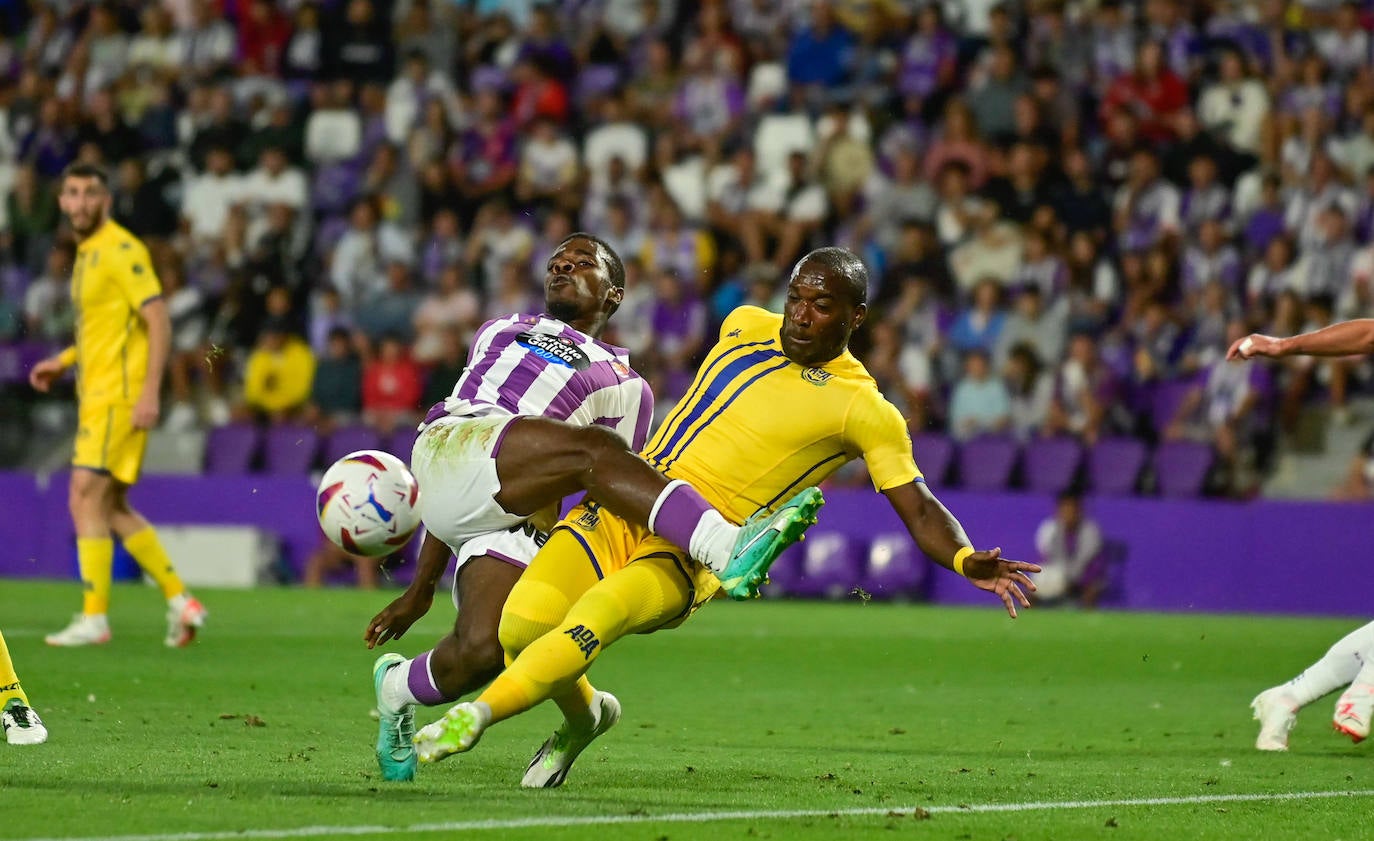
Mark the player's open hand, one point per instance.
(146, 411)
(988, 570)
(42, 375)
(1253, 345)
(397, 617)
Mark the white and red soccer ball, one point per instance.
(368, 503)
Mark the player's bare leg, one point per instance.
(462, 662)
(540, 462)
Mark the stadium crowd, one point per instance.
(1067, 207)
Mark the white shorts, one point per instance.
(454, 460)
(516, 546)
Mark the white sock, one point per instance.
(713, 541)
(1366, 675)
(178, 602)
(396, 692)
(1342, 662)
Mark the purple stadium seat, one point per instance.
(400, 442)
(896, 569)
(231, 449)
(1052, 463)
(349, 439)
(934, 452)
(986, 462)
(832, 565)
(1181, 468)
(14, 282)
(1114, 465)
(290, 450)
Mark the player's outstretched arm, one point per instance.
(943, 540)
(1348, 338)
(397, 617)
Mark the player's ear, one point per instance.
(860, 314)
(616, 295)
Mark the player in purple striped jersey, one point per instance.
(543, 410)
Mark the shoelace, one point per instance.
(19, 714)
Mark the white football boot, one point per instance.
(22, 725)
(1277, 713)
(83, 630)
(551, 762)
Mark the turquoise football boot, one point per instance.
(395, 728)
(762, 538)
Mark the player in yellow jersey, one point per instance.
(21, 724)
(123, 335)
(779, 403)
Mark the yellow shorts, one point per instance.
(611, 544)
(107, 442)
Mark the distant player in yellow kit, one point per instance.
(123, 335)
(21, 724)
(779, 404)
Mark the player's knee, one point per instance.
(517, 632)
(87, 494)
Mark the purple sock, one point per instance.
(677, 513)
(421, 682)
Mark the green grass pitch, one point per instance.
(790, 707)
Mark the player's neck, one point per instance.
(95, 229)
(593, 326)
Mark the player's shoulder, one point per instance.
(750, 324)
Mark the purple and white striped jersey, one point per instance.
(537, 365)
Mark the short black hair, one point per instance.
(847, 264)
(615, 269)
(85, 170)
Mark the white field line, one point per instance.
(711, 817)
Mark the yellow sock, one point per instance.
(145, 548)
(9, 681)
(95, 557)
(640, 597)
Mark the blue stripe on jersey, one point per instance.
(706, 396)
(723, 406)
(688, 401)
(807, 472)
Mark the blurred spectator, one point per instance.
(979, 326)
(454, 308)
(278, 375)
(1235, 105)
(303, 57)
(980, 404)
(821, 55)
(548, 167)
(679, 330)
(208, 42)
(368, 244)
(1151, 91)
(360, 50)
(141, 205)
(187, 307)
(105, 128)
(391, 311)
(1222, 409)
(31, 208)
(1358, 484)
(1033, 323)
(446, 367)
(336, 395)
(48, 314)
(409, 95)
(392, 386)
(333, 132)
(328, 558)
(1085, 390)
(1030, 390)
(1070, 548)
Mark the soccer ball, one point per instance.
(368, 503)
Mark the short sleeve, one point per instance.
(878, 431)
(133, 270)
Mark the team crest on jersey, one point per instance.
(816, 376)
(555, 349)
(620, 368)
(590, 517)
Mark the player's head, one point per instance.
(826, 301)
(84, 197)
(584, 281)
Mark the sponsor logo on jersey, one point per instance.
(585, 638)
(733, 334)
(590, 517)
(555, 349)
(816, 376)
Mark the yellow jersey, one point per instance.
(112, 279)
(756, 427)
